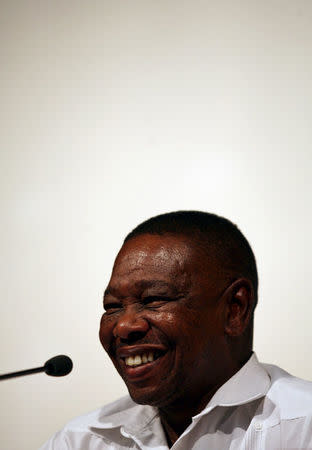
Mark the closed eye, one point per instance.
(153, 299)
(111, 307)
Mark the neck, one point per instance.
(177, 416)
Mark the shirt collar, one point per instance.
(139, 422)
(250, 383)
(133, 415)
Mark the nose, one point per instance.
(131, 326)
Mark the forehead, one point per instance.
(166, 263)
(155, 253)
(165, 259)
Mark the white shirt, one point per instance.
(262, 407)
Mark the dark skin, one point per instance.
(167, 298)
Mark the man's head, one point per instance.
(179, 307)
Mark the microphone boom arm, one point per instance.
(58, 366)
(21, 373)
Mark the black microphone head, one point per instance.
(58, 366)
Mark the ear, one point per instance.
(239, 306)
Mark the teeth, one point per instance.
(137, 360)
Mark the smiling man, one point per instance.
(178, 327)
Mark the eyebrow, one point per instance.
(142, 285)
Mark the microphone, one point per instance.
(58, 366)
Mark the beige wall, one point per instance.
(113, 111)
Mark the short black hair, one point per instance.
(216, 235)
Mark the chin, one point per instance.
(145, 396)
(158, 398)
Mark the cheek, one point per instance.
(176, 327)
(106, 331)
(188, 329)
(164, 322)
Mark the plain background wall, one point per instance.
(114, 111)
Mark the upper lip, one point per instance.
(124, 352)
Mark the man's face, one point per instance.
(163, 327)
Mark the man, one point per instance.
(178, 326)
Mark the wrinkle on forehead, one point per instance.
(160, 257)
(154, 256)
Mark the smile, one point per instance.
(138, 360)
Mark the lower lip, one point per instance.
(143, 371)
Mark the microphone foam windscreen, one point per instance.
(58, 366)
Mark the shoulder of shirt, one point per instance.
(99, 423)
(291, 394)
(109, 416)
